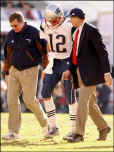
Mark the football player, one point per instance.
(57, 31)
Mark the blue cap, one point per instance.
(77, 12)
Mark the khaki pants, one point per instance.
(87, 105)
(24, 82)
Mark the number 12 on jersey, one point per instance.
(63, 41)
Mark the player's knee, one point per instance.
(66, 75)
(47, 99)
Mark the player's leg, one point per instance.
(49, 83)
(14, 107)
(28, 81)
(71, 101)
(96, 116)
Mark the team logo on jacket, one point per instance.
(12, 41)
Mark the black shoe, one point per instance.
(103, 133)
(67, 136)
(75, 138)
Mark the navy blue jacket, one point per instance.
(23, 49)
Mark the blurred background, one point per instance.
(98, 13)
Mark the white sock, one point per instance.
(51, 112)
(72, 115)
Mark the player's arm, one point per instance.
(43, 52)
(44, 36)
(48, 48)
(6, 66)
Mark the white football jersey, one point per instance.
(59, 40)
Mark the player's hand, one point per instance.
(66, 75)
(108, 79)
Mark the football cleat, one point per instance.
(69, 134)
(104, 133)
(11, 136)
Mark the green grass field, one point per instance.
(31, 136)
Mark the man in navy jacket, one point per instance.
(23, 50)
